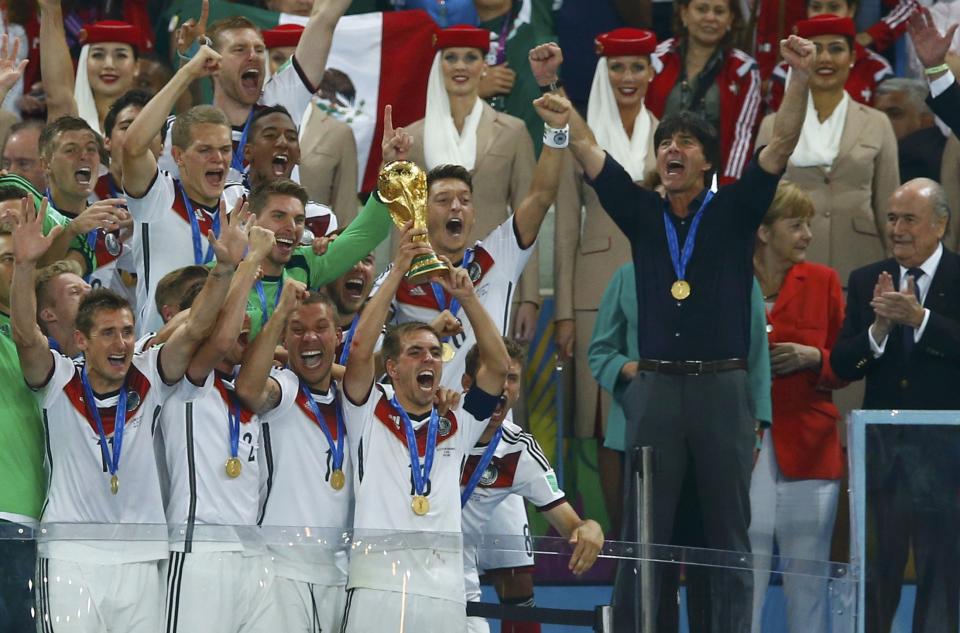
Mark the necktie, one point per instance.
(908, 332)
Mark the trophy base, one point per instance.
(425, 268)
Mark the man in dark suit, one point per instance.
(902, 333)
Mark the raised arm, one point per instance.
(56, 64)
(361, 365)
(10, 69)
(29, 245)
(800, 54)
(555, 112)
(314, 46)
(179, 349)
(230, 321)
(256, 390)
(545, 63)
(139, 163)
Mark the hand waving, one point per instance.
(931, 47)
(232, 243)
(29, 242)
(10, 69)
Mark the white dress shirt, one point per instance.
(929, 269)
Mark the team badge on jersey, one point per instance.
(490, 474)
(475, 271)
(445, 426)
(133, 400)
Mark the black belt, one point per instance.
(691, 367)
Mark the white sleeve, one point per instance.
(156, 202)
(503, 246)
(939, 85)
(357, 417)
(165, 161)
(186, 391)
(535, 479)
(289, 387)
(148, 363)
(62, 372)
(290, 89)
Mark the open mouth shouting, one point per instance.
(117, 361)
(353, 288)
(250, 79)
(454, 226)
(501, 408)
(83, 176)
(285, 245)
(215, 177)
(311, 358)
(675, 167)
(426, 380)
(280, 165)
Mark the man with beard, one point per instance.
(99, 416)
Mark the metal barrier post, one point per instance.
(560, 419)
(646, 537)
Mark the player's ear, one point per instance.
(466, 382)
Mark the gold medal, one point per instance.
(447, 352)
(680, 290)
(420, 505)
(114, 484)
(233, 467)
(337, 479)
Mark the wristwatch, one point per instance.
(553, 86)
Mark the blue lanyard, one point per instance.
(233, 418)
(485, 460)
(119, 421)
(441, 296)
(680, 261)
(336, 448)
(264, 310)
(237, 160)
(348, 339)
(198, 257)
(421, 474)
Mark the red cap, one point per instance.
(826, 24)
(626, 41)
(111, 31)
(283, 35)
(462, 35)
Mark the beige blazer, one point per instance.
(589, 246)
(501, 179)
(852, 197)
(328, 165)
(950, 179)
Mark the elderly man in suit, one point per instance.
(902, 334)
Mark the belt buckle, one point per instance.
(699, 364)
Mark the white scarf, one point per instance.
(83, 94)
(442, 144)
(819, 142)
(603, 117)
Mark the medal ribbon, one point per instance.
(236, 161)
(198, 257)
(119, 421)
(421, 473)
(680, 261)
(485, 460)
(233, 418)
(264, 310)
(348, 339)
(441, 296)
(336, 448)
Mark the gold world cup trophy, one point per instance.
(402, 186)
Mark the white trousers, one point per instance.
(308, 607)
(376, 611)
(799, 514)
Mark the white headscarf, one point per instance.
(83, 94)
(603, 117)
(442, 144)
(819, 142)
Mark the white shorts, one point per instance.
(508, 519)
(375, 611)
(477, 625)
(308, 607)
(220, 592)
(90, 598)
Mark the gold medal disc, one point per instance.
(114, 484)
(233, 467)
(337, 479)
(680, 290)
(420, 505)
(447, 352)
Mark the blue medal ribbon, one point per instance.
(336, 448)
(264, 309)
(112, 460)
(485, 460)
(679, 260)
(441, 296)
(420, 473)
(198, 257)
(233, 419)
(237, 161)
(348, 339)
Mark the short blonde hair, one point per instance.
(48, 273)
(790, 202)
(181, 136)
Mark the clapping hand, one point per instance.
(899, 307)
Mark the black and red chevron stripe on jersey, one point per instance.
(136, 382)
(422, 295)
(389, 417)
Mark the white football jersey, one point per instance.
(206, 509)
(427, 549)
(130, 525)
(287, 87)
(496, 266)
(518, 466)
(299, 493)
(162, 227)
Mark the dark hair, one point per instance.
(696, 125)
(729, 39)
(52, 131)
(262, 112)
(189, 296)
(392, 347)
(444, 172)
(171, 287)
(135, 97)
(279, 187)
(472, 362)
(98, 300)
(11, 192)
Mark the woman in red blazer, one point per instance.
(796, 481)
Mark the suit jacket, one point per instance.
(328, 165)
(947, 107)
(950, 181)
(928, 379)
(808, 311)
(589, 247)
(851, 198)
(502, 175)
